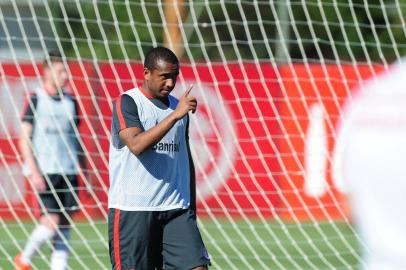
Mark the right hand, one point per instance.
(185, 104)
(38, 182)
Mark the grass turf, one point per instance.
(237, 245)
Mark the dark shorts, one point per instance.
(61, 193)
(145, 240)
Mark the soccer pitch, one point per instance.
(326, 245)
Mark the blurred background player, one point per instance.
(50, 150)
(369, 164)
(152, 211)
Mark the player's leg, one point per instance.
(60, 253)
(45, 230)
(42, 233)
(68, 194)
(183, 247)
(134, 239)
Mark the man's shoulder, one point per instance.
(124, 103)
(127, 99)
(130, 92)
(31, 96)
(30, 105)
(127, 96)
(30, 100)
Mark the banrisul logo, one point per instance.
(166, 147)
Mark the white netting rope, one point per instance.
(249, 235)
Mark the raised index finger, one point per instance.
(188, 90)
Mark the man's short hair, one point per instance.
(52, 57)
(159, 53)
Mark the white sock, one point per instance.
(38, 237)
(59, 260)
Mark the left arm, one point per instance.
(81, 154)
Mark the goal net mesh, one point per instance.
(271, 79)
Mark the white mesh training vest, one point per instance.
(159, 178)
(54, 141)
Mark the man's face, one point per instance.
(161, 80)
(56, 74)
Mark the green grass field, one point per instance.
(238, 245)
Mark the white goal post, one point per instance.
(272, 79)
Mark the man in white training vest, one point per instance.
(50, 147)
(369, 164)
(152, 212)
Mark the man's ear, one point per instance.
(146, 73)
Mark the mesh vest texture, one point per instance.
(54, 142)
(159, 178)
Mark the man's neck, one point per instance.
(146, 92)
(50, 89)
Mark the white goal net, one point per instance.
(272, 79)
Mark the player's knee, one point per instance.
(51, 221)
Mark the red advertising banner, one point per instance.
(250, 137)
(313, 101)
